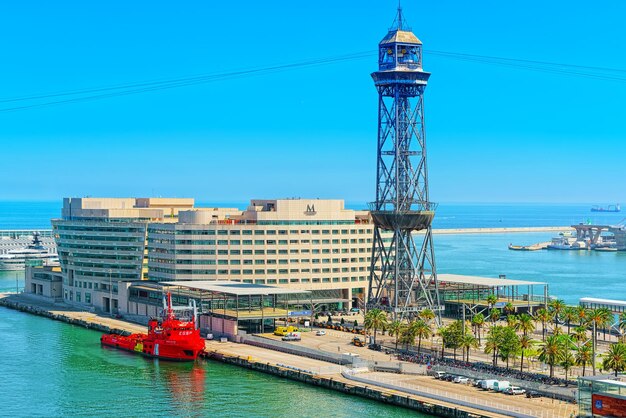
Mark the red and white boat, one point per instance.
(168, 338)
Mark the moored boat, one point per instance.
(34, 254)
(169, 337)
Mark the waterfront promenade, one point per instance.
(407, 390)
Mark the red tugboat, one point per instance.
(168, 338)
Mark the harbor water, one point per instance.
(53, 369)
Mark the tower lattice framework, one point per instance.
(403, 277)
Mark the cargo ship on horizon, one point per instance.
(610, 208)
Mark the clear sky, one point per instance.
(494, 133)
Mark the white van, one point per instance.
(487, 384)
(501, 386)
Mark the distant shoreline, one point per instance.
(520, 229)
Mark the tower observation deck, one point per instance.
(403, 278)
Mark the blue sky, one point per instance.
(494, 134)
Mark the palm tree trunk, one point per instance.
(551, 371)
(374, 335)
(397, 335)
(521, 363)
(584, 364)
(419, 344)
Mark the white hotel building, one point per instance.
(106, 245)
(306, 244)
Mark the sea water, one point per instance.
(53, 369)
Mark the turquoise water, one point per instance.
(52, 369)
(569, 274)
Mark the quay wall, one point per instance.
(337, 385)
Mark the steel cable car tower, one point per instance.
(403, 277)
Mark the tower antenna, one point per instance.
(399, 23)
(403, 274)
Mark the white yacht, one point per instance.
(34, 254)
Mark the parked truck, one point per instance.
(501, 385)
(487, 384)
(282, 331)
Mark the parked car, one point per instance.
(439, 374)
(375, 347)
(479, 382)
(358, 342)
(292, 336)
(355, 311)
(533, 394)
(514, 390)
(450, 377)
(461, 379)
(320, 332)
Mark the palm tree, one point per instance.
(395, 328)
(512, 321)
(557, 330)
(526, 343)
(426, 314)
(509, 309)
(615, 358)
(597, 318)
(581, 314)
(552, 352)
(420, 330)
(494, 315)
(443, 333)
(375, 319)
(525, 324)
(567, 362)
(583, 355)
(478, 321)
(468, 341)
(543, 315)
(569, 315)
(556, 307)
(580, 334)
(509, 345)
(491, 300)
(492, 343)
(606, 321)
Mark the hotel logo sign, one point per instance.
(310, 210)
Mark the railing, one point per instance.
(445, 396)
(299, 351)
